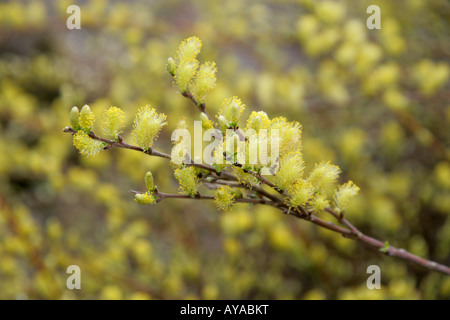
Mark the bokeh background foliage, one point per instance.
(375, 102)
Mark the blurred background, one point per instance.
(374, 102)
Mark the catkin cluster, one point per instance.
(237, 163)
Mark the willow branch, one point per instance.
(119, 143)
(347, 229)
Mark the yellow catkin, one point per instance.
(204, 81)
(291, 169)
(145, 198)
(87, 146)
(258, 120)
(232, 109)
(224, 198)
(188, 50)
(323, 175)
(113, 119)
(188, 180)
(318, 203)
(86, 119)
(146, 126)
(290, 135)
(300, 193)
(344, 194)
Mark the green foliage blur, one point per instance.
(374, 102)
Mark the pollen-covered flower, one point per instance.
(204, 81)
(291, 169)
(243, 177)
(206, 123)
(86, 119)
(87, 146)
(113, 122)
(145, 198)
(290, 135)
(224, 198)
(146, 126)
(186, 62)
(188, 49)
(258, 120)
(318, 203)
(188, 180)
(219, 161)
(299, 193)
(323, 175)
(223, 123)
(344, 194)
(232, 109)
(184, 73)
(74, 117)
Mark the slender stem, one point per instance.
(216, 183)
(309, 217)
(351, 233)
(163, 195)
(391, 250)
(201, 106)
(343, 221)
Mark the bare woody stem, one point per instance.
(345, 228)
(391, 250)
(201, 106)
(161, 196)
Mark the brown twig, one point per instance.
(201, 106)
(390, 250)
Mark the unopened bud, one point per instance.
(223, 123)
(74, 117)
(149, 181)
(170, 66)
